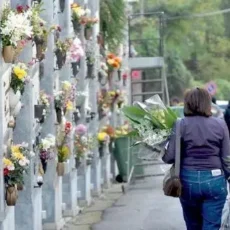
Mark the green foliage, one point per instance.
(112, 22)
(197, 48)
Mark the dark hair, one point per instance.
(197, 102)
(214, 100)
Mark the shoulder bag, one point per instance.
(172, 184)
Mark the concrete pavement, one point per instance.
(144, 207)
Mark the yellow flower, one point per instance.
(17, 156)
(20, 73)
(69, 105)
(15, 148)
(102, 136)
(112, 93)
(63, 153)
(110, 61)
(7, 162)
(66, 85)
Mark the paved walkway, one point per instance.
(144, 207)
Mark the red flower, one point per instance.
(6, 171)
(124, 76)
(20, 9)
(68, 127)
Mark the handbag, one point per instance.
(171, 183)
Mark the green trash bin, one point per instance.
(121, 150)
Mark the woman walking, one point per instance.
(205, 162)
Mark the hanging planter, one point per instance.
(14, 98)
(89, 161)
(119, 75)
(11, 195)
(77, 162)
(60, 168)
(62, 5)
(110, 78)
(90, 71)
(59, 114)
(76, 27)
(101, 150)
(61, 58)
(39, 48)
(88, 33)
(44, 164)
(39, 113)
(75, 68)
(8, 53)
(19, 187)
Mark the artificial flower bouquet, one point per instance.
(103, 140)
(113, 62)
(61, 50)
(15, 26)
(45, 99)
(78, 14)
(152, 121)
(47, 150)
(19, 77)
(16, 165)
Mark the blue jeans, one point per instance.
(203, 198)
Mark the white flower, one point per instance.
(84, 139)
(11, 167)
(22, 163)
(88, 12)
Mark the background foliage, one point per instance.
(197, 49)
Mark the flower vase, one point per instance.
(59, 115)
(111, 146)
(44, 164)
(110, 78)
(11, 195)
(61, 58)
(62, 5)
(119, 75)
(8, 53)
(39, 52)
(90, 71)
(14, 98)
(75, 68)
(101, 150)
(19, 187)
(88, 33)
(60, 168)
(76, 27)
(88, 161)
(77, 162)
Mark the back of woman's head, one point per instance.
(197, 102)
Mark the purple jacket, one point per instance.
(204, 144)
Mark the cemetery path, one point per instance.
(144, 207)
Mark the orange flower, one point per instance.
(117, 59)
(116, 65)
(111, 56)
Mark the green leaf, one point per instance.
(134, 113)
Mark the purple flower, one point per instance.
(80, 129)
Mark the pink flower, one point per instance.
(80, 129)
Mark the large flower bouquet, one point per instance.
(152, 122)
(15, 26)
(16, 164)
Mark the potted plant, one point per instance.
(17, 83)
(103, 140)
(14, 168)
(78, 14)
(14, 27)
(90, 22)
(61, 52)
(62, 147)
(47, 150)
